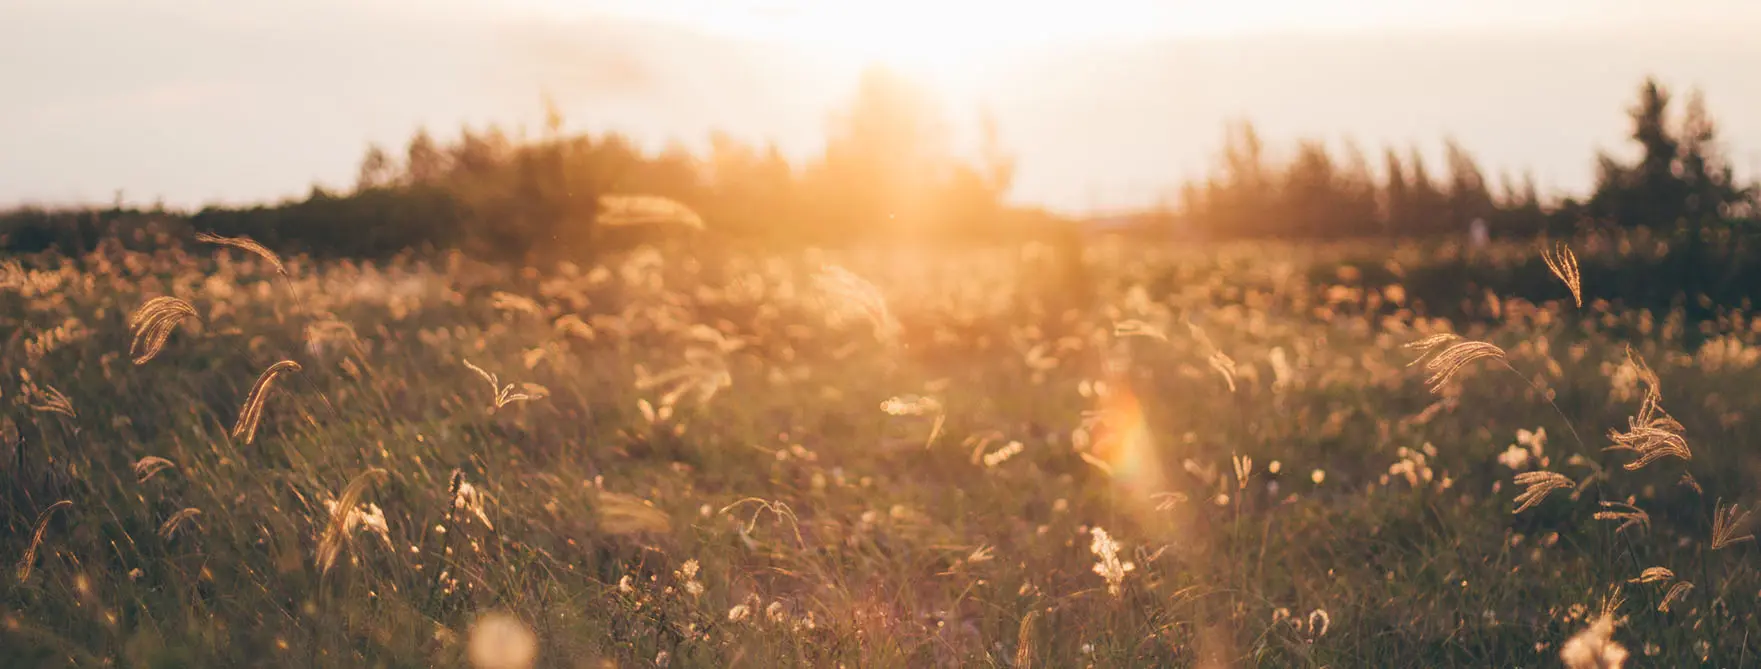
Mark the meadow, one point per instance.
(1230, 455)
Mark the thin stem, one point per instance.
(1631, 548)
(1582, 447)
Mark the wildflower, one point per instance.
(471, 501)
(346, 514)
(1108, 565)
(688, 573)
(1515, 457)
(1594, 647)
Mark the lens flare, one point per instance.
(1125, 448)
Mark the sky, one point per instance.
(1107, 104)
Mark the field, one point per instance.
(1216, 456)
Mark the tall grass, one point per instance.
(870, 458)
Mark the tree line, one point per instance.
(1681, 179)
(888, 173)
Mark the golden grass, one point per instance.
(246, 244)
(251, 413)
(1564, 265)
(343, 518)
(29, 561)
(153, 324)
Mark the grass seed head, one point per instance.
(153, 323)
(1727, 522)
(29, 561)
(344, 517)
(245, 244)
(252, 411)
(1564, 265)
(1539, 485)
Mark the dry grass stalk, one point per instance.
(1653, 434)
(177, 520)
(1539, 485)
(29, 560)
(246, 244)
(145, 468)
(1225, 366)
(336, 531)
(1137, 328)
(505, 301)
(1676, 593)
(1688, 481)
(911, 405)
(321, 333)
(252, 412)
(1629, 515)
(626, 210)
(1451, 360)
(1653, 575)
(1427, 344)
(1024, 640)
(504, 394)
(153, 323)
(1727, 521)
(1243, 469)
(854, 292)
(627, 514)
(1564, 265)
(49, 400)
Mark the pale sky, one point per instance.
(1107, 103)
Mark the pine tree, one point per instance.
(1657, 193)
(1428, 204)
(1467, 196)
(1396, 199)
(424, 163)
(377, 170)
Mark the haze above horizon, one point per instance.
(1110, 106)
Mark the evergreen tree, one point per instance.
(1467, 196)
(1396, 198)
(424, 163)
(1428, 202)
(377, 169)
